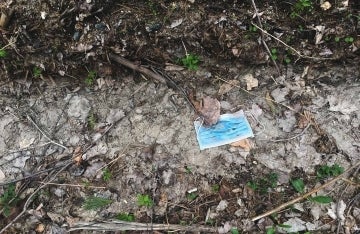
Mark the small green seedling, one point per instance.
(191, 196)
(125, 217)
(215, 188)
(234, 231)
(188, 170)
(270, 230)
(349, 40)
(3, 53)
(95, 203)
(287, 60)
(144, 200)
(8, 200)
(321, 199)
(190, 61)
(326, 171)
(89, 80)
(300, 7)
(337, 39)
(264, 184)
(106, 175)
(298, 185)
(37, 72)
(274, 54)
(91, 121)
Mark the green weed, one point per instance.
(326, 171)
(3, 53)
(95, 203)
(234, 231)
(91, 121)
(8, 200)
(274, 54)
(215, 188)
(191, 196)
(188, 170)
(37, 72)
(190, 61)
(349, 40)
(144, 200)
(298, 185)
(125, 217)
(321, 199)
(106, 175)
(264, 184)
(90, 78)
(337, 39)
(300, 7)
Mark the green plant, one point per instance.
(234, 231)
(190, 61)
(215, 188)
(37, 72)
(270, 230)
(326, 171)
(274, 55)
(3, 53)
(191, 196)
(300, 7)
(91, 121)
(95, 203)
(188, 170)
(144, 200)
(337, 39)
(321, 199)
(349, 39)
(263, 184)
(106, 175)
(90, 78)
(8, 200)
(125, 217)
(287, 60)
(252, 28)
(298, 185)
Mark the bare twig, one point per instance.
(262, 38)
(133, 226)
(44, 134)
(290, 47)
(137, 68)
(74, 185)
(315, 190)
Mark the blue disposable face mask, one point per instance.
(230, 128)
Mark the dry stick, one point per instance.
(73, 185)
(28, 201)
(133, 226)
(262, 37)
(290, 47)
(137, 68)
(43, 133)
(284, 205)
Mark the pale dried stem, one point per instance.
(298, 199)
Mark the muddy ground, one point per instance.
(76, 124)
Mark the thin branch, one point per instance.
(138, 68)
(288, 46)
(262, 38)
(73, 185)
(298, 199)
(44, 134)
(133, 226)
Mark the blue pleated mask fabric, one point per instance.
(230, 128)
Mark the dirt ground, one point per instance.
(96, 101)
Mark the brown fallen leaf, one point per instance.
(251, 82)
(244, 143)
(270, 102)
(209, 109)
(226, 87)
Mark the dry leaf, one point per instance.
(209, 109)
(269, 101)
(325, 6)
(251, 82)
(226, 87)
(244, 143)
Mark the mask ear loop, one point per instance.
(201, 120)
(262, 127)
